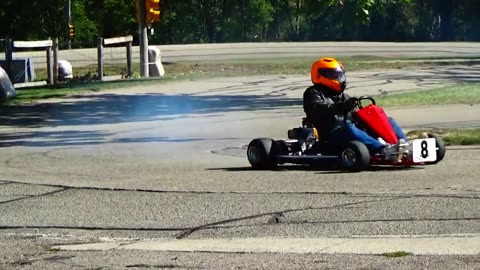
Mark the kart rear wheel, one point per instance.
(261, 154)
(440, 147)
(355, 156)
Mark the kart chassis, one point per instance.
(304, 146)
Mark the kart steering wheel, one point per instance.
(358, 101)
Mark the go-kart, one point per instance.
(305, 146)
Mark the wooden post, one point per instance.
(129, 59)
(55, 61)
(9, 57)
(49, 65)
(100, 58)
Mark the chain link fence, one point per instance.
(30, 65)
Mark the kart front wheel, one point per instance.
(355, 156)
(261, 154)
(440, 147)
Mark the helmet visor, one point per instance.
(337, 74)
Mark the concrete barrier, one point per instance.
(7, 90)
(155, 67)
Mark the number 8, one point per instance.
(424, 149)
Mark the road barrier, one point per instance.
(11, 46)
(126, 41)
(20, 70)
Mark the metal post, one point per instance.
(9, 57)
(143, 39)
(100, 58)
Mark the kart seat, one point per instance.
(307, 123)
(307, 131)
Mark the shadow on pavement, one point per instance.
(112, 108)
(52, 138)
(325, 169)
(77, 138)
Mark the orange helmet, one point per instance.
(329, 73)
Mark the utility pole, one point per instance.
(143, 38)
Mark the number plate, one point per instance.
(424, 150)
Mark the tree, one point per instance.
(43, 19)
(199, 21)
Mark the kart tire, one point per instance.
(440, 145)
(354, 156)
(261, 154)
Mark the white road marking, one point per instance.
(418, 245)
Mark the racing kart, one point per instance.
(305, 146)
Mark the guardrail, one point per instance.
(10, 47)
(126, 41)
(51, 48)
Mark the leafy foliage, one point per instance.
(200, 21)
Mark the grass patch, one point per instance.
(252, 66)
(462, 137)
(397, 254)
(27, 96)
(470, 136)
(456, 94)
(31, 94)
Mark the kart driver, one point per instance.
(326, 105)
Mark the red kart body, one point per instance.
(376, 119)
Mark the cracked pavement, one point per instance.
(167, 161)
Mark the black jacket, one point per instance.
(324, 109)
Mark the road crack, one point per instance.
(190, 231)
(35, 196)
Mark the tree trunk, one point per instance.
(226, 6)
(446, 21)
(244, 21)
(297, 20)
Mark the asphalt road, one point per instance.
(238, 51)
(168, 162)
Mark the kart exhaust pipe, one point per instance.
(302, 134)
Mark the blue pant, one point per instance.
(350, 132)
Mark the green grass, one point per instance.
(30, 94)
(26, 96)
(397, 254)
(466, 136)
(462, 137)
(455, 94)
